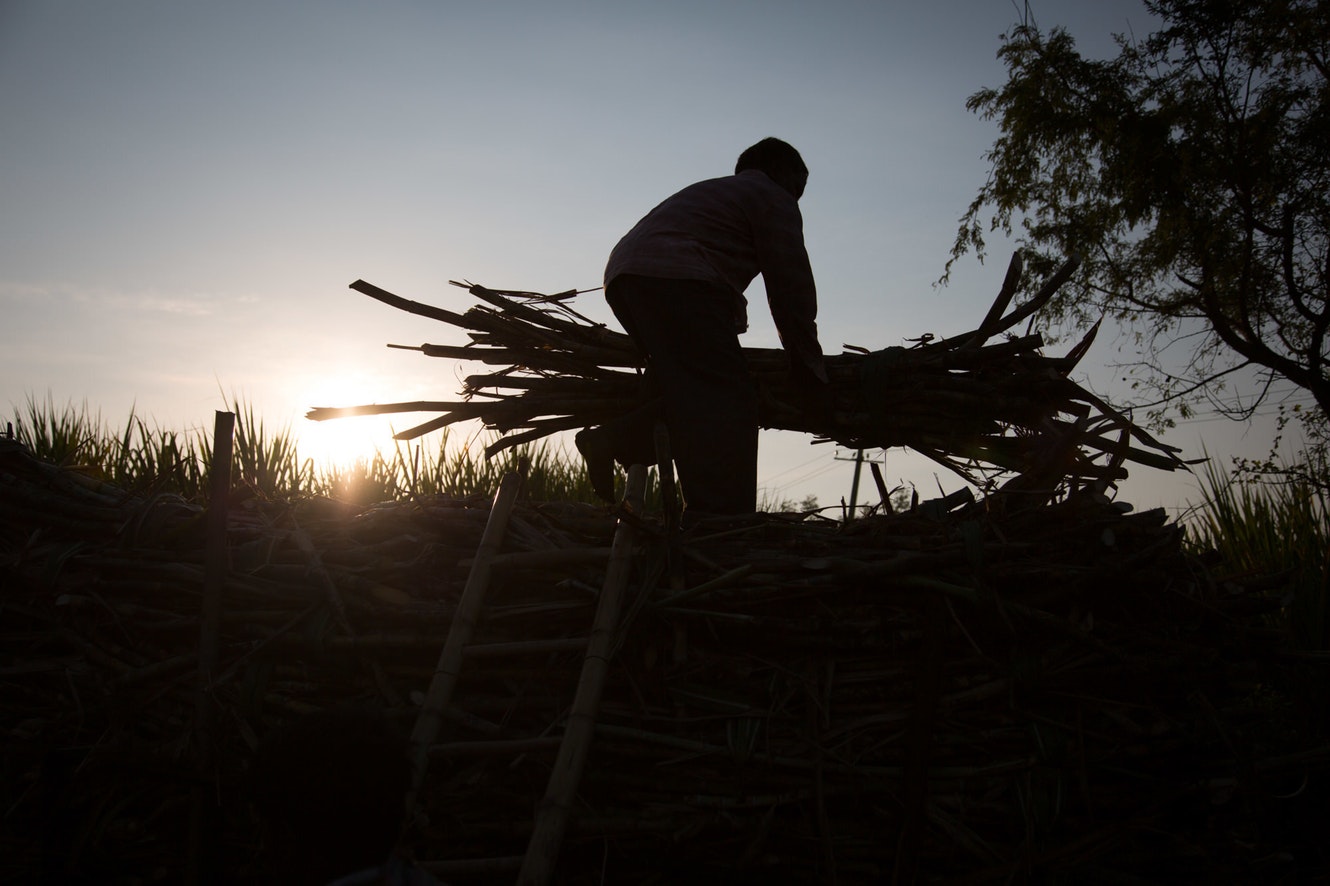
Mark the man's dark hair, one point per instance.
(779, 160)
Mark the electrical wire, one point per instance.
(811, 475)
(798, 467)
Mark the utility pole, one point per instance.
(854, 484)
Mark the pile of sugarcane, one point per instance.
(986, 404)
(971, 694)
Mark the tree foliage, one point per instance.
(1190, 173)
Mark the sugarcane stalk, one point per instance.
(407, 305)
(990, 324)
(323, 413)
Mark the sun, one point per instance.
(341, 442)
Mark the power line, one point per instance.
(798, 467)
(1214, 418)
(811, 475)
(776, 491)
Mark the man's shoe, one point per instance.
(595, 449)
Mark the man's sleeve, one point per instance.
(788, 278)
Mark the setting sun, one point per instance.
(341, 442)
(344, 441)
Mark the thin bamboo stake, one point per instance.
(203, 844)
(543, 851)
(464, 622)
(215, 564)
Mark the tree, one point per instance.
(1190, 174)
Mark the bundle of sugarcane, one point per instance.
(984, 409)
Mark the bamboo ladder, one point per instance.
(538, 863)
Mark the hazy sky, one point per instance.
(187, 188)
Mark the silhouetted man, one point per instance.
(676, 283)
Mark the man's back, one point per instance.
(724, 231)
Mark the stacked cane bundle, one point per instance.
(986, 404)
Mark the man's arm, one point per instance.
(787, 275)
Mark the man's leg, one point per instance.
(629, 438)
(709, 402)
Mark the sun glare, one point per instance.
(341, 442)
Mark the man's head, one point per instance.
(780, 161)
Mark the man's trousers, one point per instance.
(696, 380)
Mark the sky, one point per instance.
(187, 189)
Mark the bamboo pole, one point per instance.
(203, 843)
(468, 611)
(543, 851)
(214, 577)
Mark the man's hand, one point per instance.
(813, 395)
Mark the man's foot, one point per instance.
(595, 449)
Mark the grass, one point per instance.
(1272, 529)
(145, 458)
